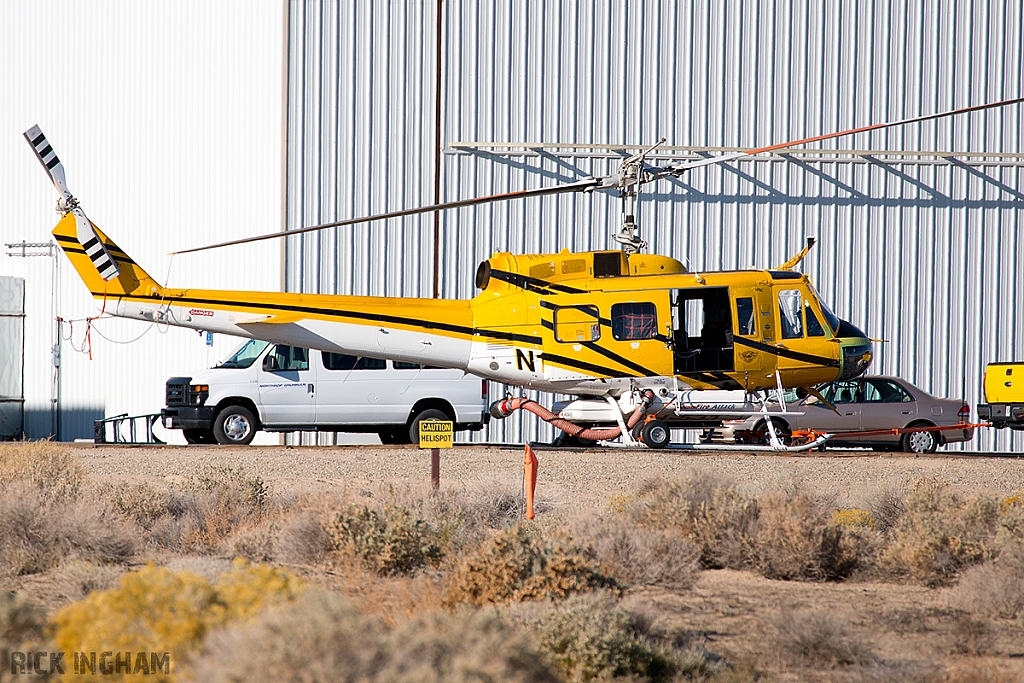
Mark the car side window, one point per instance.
(341, 361)
(843, 392)
(883, 391)
(291, 357)
(402, 365)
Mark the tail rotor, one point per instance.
(86, 233)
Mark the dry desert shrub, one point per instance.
(139, 502)
(817, 639)
(301, 537)
(594, 637)
(37, 531)
(638, 554)
(389, 543)
(50, 467)
(975, 672)
(796, 538)
(156, 610)
(323, 637)
(76, 579)
(994, 589)
(521, 564)
(971, 636)
(706, 509)
(21, 626)
(940, 534)
(212, 505)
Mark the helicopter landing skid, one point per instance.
(743, 448)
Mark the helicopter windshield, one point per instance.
(244, 355)
(830, 318)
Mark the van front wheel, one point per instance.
(414, 425)
(234, 425)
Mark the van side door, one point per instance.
(356, 390)
(287, 386)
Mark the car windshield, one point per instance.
(244, 355)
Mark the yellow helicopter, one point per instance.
(645, 344)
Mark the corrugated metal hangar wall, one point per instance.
(168, 118)
(919, 228)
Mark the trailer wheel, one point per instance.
(234, 425)
(656, 434)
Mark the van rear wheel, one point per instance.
(414, 425)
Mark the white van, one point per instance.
(278, 388)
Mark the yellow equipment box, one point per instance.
(1004, 395)
(1004, 383)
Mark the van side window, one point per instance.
(577, 324)
(402, 365)
(291, 357)
(341, 361)
(634, 321)
(745, 315)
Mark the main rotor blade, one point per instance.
(48, 158)
(676, 169)
(579, 186)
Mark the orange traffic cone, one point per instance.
(530, 463)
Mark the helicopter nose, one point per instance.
(857, 351)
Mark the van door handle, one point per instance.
(906, 412)
(309, 388)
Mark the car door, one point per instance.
(846, 416)
(287, 386)
(355, 391)
(885, 405)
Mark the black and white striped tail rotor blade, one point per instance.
(48, 158)
(84, 229)
(93, 246)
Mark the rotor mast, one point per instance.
(631, 176)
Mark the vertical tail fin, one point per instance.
(130, 278)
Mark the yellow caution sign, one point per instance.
(436, 433)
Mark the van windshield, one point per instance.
(244, 355)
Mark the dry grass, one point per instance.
(49, 467)
(38, 531)
(994, 589)
(640, 555)
(817, 639)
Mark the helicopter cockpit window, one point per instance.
(634, 321)
(745, 316)
(291, 357)
(814, 328)
(574, 324)
(341, 361)
(790, 315)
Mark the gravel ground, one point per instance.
(573, 478)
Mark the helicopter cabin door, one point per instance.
(798, 329)
(702, 330)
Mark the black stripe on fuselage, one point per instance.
(532, 284)
(592, 368)
(335, 313)
(787, 353)
(607, 353)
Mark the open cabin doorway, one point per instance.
(702, 337)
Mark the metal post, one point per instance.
(435, 468)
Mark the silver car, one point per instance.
(865, 404)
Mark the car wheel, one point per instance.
(414, 426)
(781, 430)
(656, 434)
(234, 425)
(920, 442)
(198, 436)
